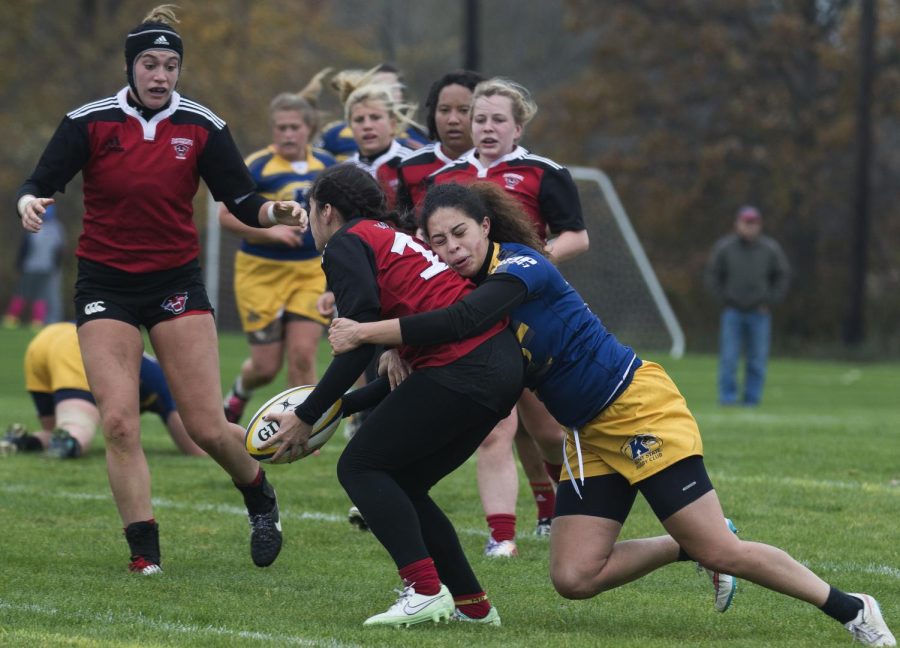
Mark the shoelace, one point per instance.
(262, 523)
(859, 631)
(403, 595)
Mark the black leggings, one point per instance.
(420, 433)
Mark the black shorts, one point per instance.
(45, 403)
(146, 298)
(611, 496)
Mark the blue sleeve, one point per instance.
(532, 269)
(155, 395)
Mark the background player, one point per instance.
(66, 410)
(448, 117)
(337, 137)
(277, 272)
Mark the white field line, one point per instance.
(160, 625)
(802, 482)
(840, 567)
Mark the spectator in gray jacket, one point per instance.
(39, 263)
(748, 273)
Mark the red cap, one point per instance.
(749, 213)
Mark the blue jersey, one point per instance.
(279, 179)
(337, 139)
(154, 391)
(574, 364)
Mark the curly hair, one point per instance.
(465, 78)
(480, 200)
(351, 191)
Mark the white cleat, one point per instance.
(869, 627)
(502, 549)
(412, 608)
(724, 585)
(492, 618)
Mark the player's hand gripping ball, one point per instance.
(259, 430)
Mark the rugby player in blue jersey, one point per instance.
(628, 427)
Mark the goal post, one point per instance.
(615, 276)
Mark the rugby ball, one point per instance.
(259, 430)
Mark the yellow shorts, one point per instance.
(53, 360)
(266, 289)
(647, 428)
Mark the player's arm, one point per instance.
(222, 168)
(65, 155)
(475, 313)
(180, 436)
(280, 234)
(561, 208)
(350, 270)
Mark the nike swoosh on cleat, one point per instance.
(413, 609)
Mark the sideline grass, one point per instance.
(814, 470)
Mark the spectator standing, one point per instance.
(748, 273)
(38, 262)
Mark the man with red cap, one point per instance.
(747, 272)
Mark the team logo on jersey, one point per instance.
(521, 261)
(182, 146)
(512, 180)
(112, 145)
(643, 449)
(175, 303)
(382, 225)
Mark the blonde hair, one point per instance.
(523, 106)
(355, 87)
(164, 13)
(295, 102)
(313, 90)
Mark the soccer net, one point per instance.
(615, 277)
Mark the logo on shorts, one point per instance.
(182, 147)
(175, 303)
(94, 307)
(643, 449)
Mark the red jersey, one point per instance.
(384, 169)
(377, 272)
(413, 173)
(140, 178)
(544, 188)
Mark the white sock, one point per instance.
(239, 390)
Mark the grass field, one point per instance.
(815, 470)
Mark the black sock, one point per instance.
(29, 443)
(259, 496)
(682, 555)
(143, 540)
(841, 607)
